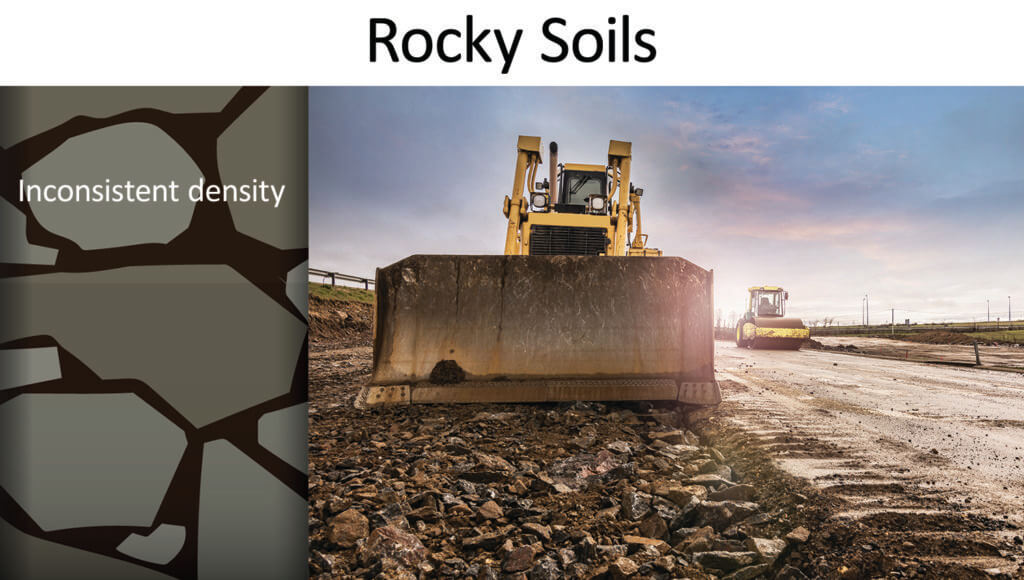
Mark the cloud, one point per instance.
(834, 105)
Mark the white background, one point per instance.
(327, 43)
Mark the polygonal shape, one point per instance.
(203, 337)
(159, 547)
(135, 152)
(73, 461)
(284, 433)
(14, 245)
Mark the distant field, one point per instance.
(328, 292)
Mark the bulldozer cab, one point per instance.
(768, 301)
(583, 189)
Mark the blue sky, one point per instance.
(914, 196)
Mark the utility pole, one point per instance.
(988, 307)
(1009, 313)
(893, 322)
(867, 311)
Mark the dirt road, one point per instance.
(918, 450)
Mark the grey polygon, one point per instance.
(269, 142)
(32, 110)
(27, 366)
(28, 557)
(14, 246)
(139, 152)
(250, 524)
(203, 337)
(283, 433)
(159, 547)
(297, 287)
(77, 461)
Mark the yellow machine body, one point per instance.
(764, 325)
(577, 308)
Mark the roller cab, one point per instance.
(765, 326)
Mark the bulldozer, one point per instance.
(764, 325)
(578, 308)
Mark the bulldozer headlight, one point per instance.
(539, 200)
(597, 203)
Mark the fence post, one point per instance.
(977, 355)
(366, 283)
(332, 278)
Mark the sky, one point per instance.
(913, 197)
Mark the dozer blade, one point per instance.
(779, 333)
(542, 328)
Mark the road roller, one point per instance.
(764, 324)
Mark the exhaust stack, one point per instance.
(553, 174)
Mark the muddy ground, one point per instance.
(995, 356)
(600, 490)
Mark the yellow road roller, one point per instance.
(764, 324)
(577, 308)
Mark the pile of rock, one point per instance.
(538, 492)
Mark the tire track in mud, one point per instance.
(890, 517)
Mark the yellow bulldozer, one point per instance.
(577, 309)
(764, 324)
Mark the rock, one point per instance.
(717, 455)
(721, 514)
(545, 569)
(798, 536)
(675, 436)
(348, 527)
(620, 447)
(741, 492)
(543, 532)
(487, 462)
(622, 568)
(767, 550)
(586, 549)
(680, 452)
(725, 561)
(725, 472)
(790, 573)
(566, 557)
(635, 505)
(708, 480)
(490, 511)
(483, 541)
(709, 466)
(610, 513)
(390, 542)
(749, 572)
(665, 563)
(613, 551)
(636, 542)
(653, 526)
(518, 560)
(698, 541)
(681, 495)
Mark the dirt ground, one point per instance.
(784, 480)
(1005, 356)
(929, 459)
